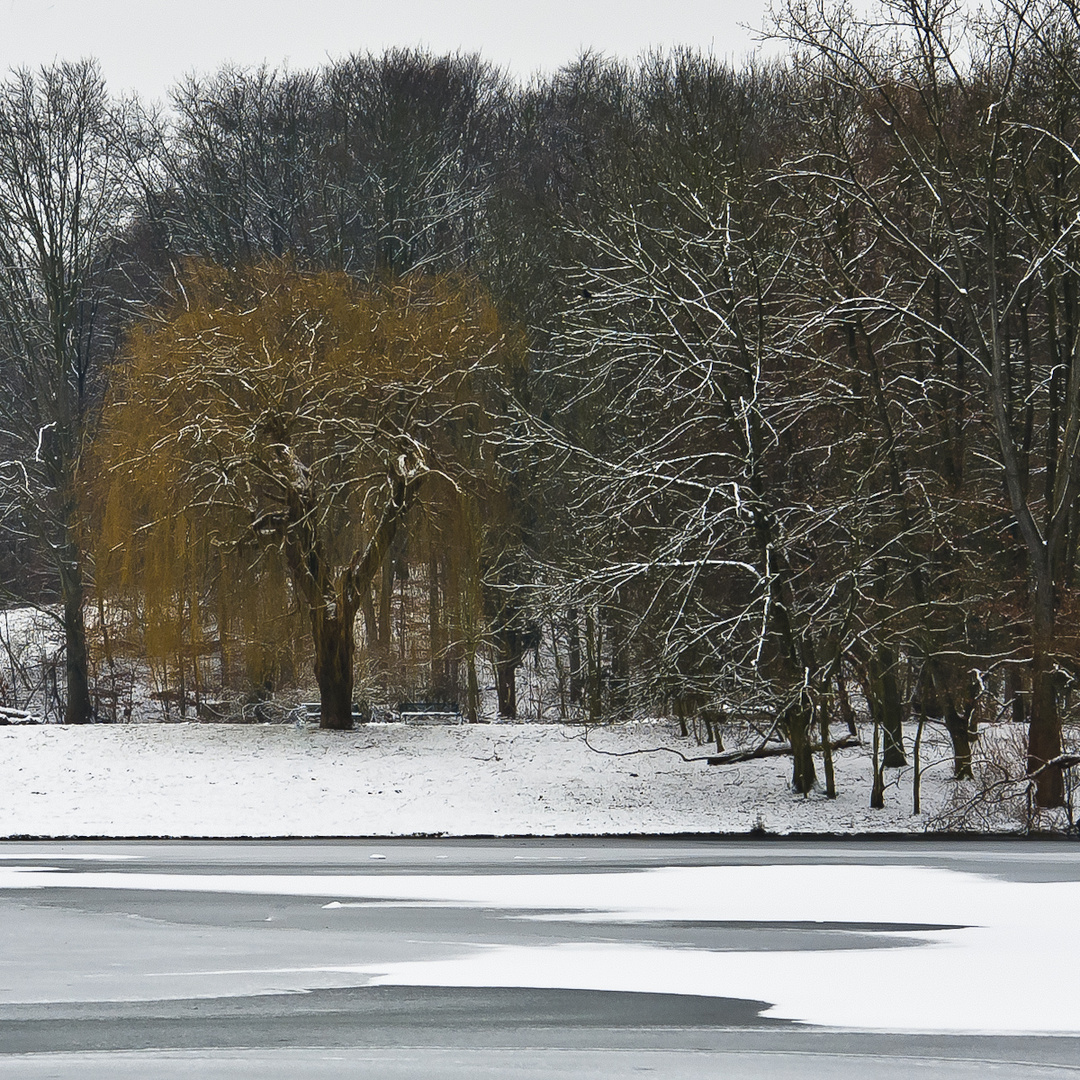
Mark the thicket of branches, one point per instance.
(785, 416)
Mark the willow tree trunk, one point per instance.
(335, 647)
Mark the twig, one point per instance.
(631, 753)
(1062, 761)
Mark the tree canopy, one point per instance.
(274, 413)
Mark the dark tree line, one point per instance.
(799, 422)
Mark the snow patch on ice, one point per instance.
(1007, 964)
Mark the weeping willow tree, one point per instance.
(275, 421)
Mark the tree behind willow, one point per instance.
(374, 161)
(976, 123)
(700, 543)
(292, 416)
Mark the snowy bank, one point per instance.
(194, 780)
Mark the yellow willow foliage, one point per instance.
(263, 385)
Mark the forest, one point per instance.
(747, 393)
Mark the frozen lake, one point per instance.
(539, 958)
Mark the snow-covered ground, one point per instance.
(400, 780)
(154, 777)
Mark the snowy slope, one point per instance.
(400, 780)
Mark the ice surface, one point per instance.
(1007, 964)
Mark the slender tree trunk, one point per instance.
(594, 666)
(473, 703)
(574, 636)
(560, 669)
(827, 753)
(916, 779)
(1044, 729)
(796, 725)
(889, 709)
(78, 707)
(877, 791)
(507, 658)
(436, 643)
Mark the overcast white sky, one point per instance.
(146, 45)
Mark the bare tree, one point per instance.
(374, 162)
(976, 117)
(691, 437)
(62, 202)
(416, 142)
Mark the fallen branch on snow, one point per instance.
(730, 758)
(17, 716)
(736, 756)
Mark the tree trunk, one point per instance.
(473, 704)
(1044, 730)
(335, 647)
(78, 707)
(877, 791)
(916, 779)
(960, 734)
(594, 669)
(436, 644)
(574, 635)
(886, 692)
(796, 726)
(826, 753)
(507, 658)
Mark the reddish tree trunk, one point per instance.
(1044, 732)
